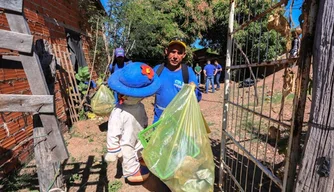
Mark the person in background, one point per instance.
(294, 52)
(119, 60)
(198, 71)
(173, 75)
(118, 64)
(219, 70)
(209, 74)
(133, 83)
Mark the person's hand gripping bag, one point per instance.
(103, 101)
(179, 151)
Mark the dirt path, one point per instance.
(85, 170)
(86, 142)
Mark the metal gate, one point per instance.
(258, 99)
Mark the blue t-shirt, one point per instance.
(218, 67)
(115, 68)
(171, 84)
(210, 69)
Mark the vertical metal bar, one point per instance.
(232, 109)
(257, 144)
(242, 131)
(252, 122)
(235, 55)
(226, 89)
(270, 108)
(278, 126)
(237, 116)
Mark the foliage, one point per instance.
(82, 115)
(257, 42)
(91, 14)
(16, 181)
(115, 186)
(83, 76)
(144, 27)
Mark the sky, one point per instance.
(104, 3)
(296, 11)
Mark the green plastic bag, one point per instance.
(103, 101)
(179, 151)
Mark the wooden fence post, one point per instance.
(317, 170)
(304, 63)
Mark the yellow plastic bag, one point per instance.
(179, 151)
(103, 101)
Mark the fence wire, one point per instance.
(260, 100)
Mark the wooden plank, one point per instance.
(69, 100)
(71, 97)
(69, 64)
(38, 86)
(26, 103)
(16, 41)
(317, 168)
(43, 159)
(13, 58)
(304, 63)
(12, 5)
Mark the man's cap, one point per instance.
(119, 52)
(177, 40)
(135, 80)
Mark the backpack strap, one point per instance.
(184, 68)
(161, 67)
(185, 73)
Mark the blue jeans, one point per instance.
(209, 79)
(198, 77)
(217, 77)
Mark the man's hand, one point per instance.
(113, 156)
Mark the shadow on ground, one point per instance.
(77, 176)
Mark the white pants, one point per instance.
(125, 122)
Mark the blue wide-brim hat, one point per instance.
(135, 79)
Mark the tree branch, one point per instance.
(92, 68)
(250, 69)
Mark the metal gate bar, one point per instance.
(263, 168)
(261, 115)
(264, 64)
(251, 161)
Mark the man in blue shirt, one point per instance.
(219, 69)
(119, 64)
(171, 76)
(209, 74)
(119, 58)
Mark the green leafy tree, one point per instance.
(144, 27)
(257, 42)
(91, 14)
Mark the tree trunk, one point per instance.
(317, 170)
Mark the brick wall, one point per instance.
(47, 19)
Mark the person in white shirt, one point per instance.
(132, 83)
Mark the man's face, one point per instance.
(175, 54)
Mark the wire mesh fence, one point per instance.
(259, 95)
